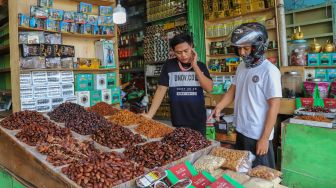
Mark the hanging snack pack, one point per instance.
(209, 163)
(237, 160)
(329, 103)
(306, 102)
(332, 93)
(309, 89)
(225, 182)
(323, 88)
(181, 171)
(105, 11)
(69, 16)
(264, 172)
(201, 180)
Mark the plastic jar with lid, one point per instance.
(298, 53)
(291, 85)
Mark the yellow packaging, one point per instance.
(256, 6)
(212, 16)
(221, 14)
(237, 11)
(215, 6)
(246, 8)
(87, 63)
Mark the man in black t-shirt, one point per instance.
(186, 79)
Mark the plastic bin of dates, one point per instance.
(126, 118)
(103, 109)
(316, 111)
(65, 112)
(19, 120)
(153, 129)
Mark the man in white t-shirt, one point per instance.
(256, 92)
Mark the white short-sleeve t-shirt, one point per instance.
(254, 87)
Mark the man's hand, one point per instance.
(194, 58)
(262, 147)
(147, 116)
(217, 112)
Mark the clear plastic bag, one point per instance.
(53, 62)
(258, 183)
(209, 163)
(264, 172)
(32, 63)
(217, 173)
(236, 160)
(239, 177)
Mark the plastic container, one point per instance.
(291, 84)
(298, 53)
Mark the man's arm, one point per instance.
(205, 82)
(272, 113)
(227, 99)
(158, 97)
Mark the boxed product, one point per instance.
(313, 59)
(53, 62)
(225, 181)
(74, 28)
(38, 12)
(53, 77)
(45, 3)
(67, 76)
(53, 38)
(72, 99)
(29, 50)
(322, 74)
(333, 59)
(106, 30)
(55, 14)
(107, 96)
(54, 90)
(101, 21)
(95, 97)
(202, 179)
(99, 81)
(331, 75)
(83, 98)
(37, 23)
(325, 59)
(111, 80)
(105, 52)
(25, 79)
(87, 63)
(32, 62)
(46, 50)
(67, 51)
(181, 171)
(95, 30)
(26, 92)
(80, 18)
(55, 102)
(67, 62)
(31, 37)
(24, 20)
(84, 7)
(28, 104)
(52, 25)
(108, 21)
(64, 27)
(40, 91)
(92, 19)
(69, 16)
(105, 11)
(332, 93)
(84, 82)
(68, 89)
(86, 29)
(115, 95)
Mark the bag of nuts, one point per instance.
(209, 163)
(236, 160)
(239, 177)
(264, 172)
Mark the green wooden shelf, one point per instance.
(310, 22)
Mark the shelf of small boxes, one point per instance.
(74, 145)
(80, 23)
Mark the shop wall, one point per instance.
(298, 4)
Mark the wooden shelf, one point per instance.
(137, 70)
(221, 55)
(5, 92)
(320, 67)
(242, 15)
(167, 18)
(98, 2)
(4, 70)
(314, 36)
(310, 22)
(67, 34)
(130, 57)
(222, 73)
(75, 70)
(217, 37)
(4, 50)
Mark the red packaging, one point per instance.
(309, 89)
(329, 103)
(323, 88)
(332, 90)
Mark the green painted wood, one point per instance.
(196, 26)
(5, 179)
(308, 157)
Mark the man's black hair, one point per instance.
(181, 38)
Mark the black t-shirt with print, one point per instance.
(186, 96)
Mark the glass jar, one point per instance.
(298, 53)
(291, 85)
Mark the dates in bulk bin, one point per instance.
(36, 133)
(187, 139)
(126, 118)
(153, 129)
(104, 170)
(18, 120)
(66, 111)
(317, 109)
(87, 123)
(67, 151)
(154, 154)
(117, 137)
(103, 109)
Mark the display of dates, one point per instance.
(36, 133)
(87, 123)
(67, 151)
(117, 137)
(187, 139)
(105, 170)
(317, 109)
(154, 154)
(19, 120)
(65, 112)
(103, 109)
